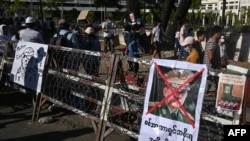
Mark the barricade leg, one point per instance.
(36, 101)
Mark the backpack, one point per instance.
(60, 40)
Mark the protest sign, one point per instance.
(28, 65)
(230, 92)
(173, 102)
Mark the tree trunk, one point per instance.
(179, 16)
(166, 11)
(133, 6)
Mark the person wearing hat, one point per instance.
(193, 56)
(91, 63)
(29, 34)
(171, 107)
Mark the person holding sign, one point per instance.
(172, 106)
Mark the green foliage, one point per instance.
(72, 15)
(110, 3)
(147, 16)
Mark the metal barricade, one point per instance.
(109, 90)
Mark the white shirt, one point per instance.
(177, 34)
(222, 50)
(110, 29)
(156, 32)
(182, 33)
(31, 35)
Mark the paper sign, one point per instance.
(230, 92)
(28, 65)
(83, 15)
(173, 101)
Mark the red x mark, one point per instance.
(173, 92)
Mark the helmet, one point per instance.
(30, 20)
(89, 30)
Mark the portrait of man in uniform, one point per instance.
(181, 104)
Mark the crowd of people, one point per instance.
(187, 47)
(190, 49)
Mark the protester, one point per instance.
(223, 53)
(193, 56)
(133, 51)
(16, 36)
(212, 49)
(177, 42)
(30, 34)
(64, 31)
(183, 53)
(127, 33)
(4, 33)
(201, 35)
(156, 39)
(108, 29)
(91, 63)
(77, 40)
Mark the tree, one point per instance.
(179, 16)
(133, 6)
(166, 11)
(51, 5)
(15, 7)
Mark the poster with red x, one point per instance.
(173, 101)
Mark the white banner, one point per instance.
(173, 102)
(28, 65)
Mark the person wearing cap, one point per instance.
(108, 29)
(212, 49)
(91, 63)
(193, 56)
(29, 34)
(171, 107)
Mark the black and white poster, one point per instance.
(28, 64)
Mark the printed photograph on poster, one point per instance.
(28, 65)
(230, 91)
(186, 97)
(174, 97)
